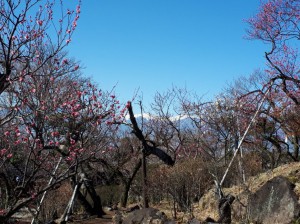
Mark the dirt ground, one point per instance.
(207, 207)
(105, 219)
(94, 221)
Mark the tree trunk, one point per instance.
(92, 206)
(127, 184)
(124, 196)
(224, 207)
(145, 184)
(97, 204)
(3, 219)
(296, 147)
(84, 202)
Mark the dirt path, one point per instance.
(95, 221)
(105, 219)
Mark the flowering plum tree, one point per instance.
(277, 23)
(27, 28)
(52, 120)
(66, 121)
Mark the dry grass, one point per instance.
(207, 206)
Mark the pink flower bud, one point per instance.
(2, 152)
(39, 22)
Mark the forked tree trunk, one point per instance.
(97, 204)
(127, 184)
(94, 205)
(148, 149)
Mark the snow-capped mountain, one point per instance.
(183, 121)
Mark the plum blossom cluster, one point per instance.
(277, 20)
(277, 23)
(31, 29)
(48, 118)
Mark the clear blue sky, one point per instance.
(151, 45)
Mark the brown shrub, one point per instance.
(55, 202)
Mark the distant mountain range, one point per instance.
(183, 121)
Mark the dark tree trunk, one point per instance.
(148, 149)
(84, 202)
(3, 219)
(97, 204)
(91, 209)
(127, 184)
(124, 196)
(224, 207)
(145, 184)
(296, 148)
(92, 206)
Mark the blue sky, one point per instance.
(152, 45)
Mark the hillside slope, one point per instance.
(207, 205)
